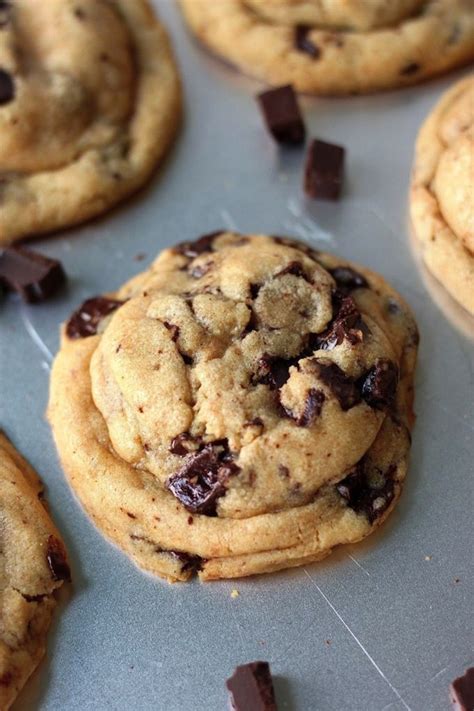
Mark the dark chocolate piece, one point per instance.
(410, 69)
(251, 688)
(189, 563)
(5, 10)
(379, 385)
(57, 560)
(32, 275)
(282, 115)
(7, 87)
(304, 44)
(273, 371)
(347, 279)
(199, 246)
(295, 268)
(347, 324)
(312, 408)
(203, 478)
(368, 495)
(341, 385)
(461, 691)
(85, 321)
(324, 170)
(183, 444)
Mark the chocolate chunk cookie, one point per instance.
(242, 406)
(33, 564)
(89, 102)
(441, 197)
(336, 46)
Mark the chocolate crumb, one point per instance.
(251, 688)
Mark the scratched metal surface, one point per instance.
(377, 626)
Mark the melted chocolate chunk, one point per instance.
(379, 385)
(57, 561)
(304, 44)
(85, 321)
(173, 329)
(312, 408)
(5, 13)
(254, 290)
(347, 324)
(273, 371)
(251, 688)
(32, 275)
(324, 170)
(7, 87)
(183, 444)
(341, 385)
(295, 268)
(363, 496)
(199, 246)
(200, 270)
(189, 563)
(282, 115)
(461, 691)
(203, 478)
(347, 279)
(410, 69)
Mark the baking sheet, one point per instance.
(382, 625)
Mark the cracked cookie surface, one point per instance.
(336, 46)
(242, 406)
(89, 102)
(33, 565)
(442, 192)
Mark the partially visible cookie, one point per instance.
(242, 406)
(33, 565)
(336, 46)
(89, 102)
(442, 192)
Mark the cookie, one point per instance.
(337, 47)
(89, 102)
(441, 196)
(33, 565)
(243, 406)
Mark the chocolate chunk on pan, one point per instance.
(86, 320)
(33, 276)
(324, 170)
(282, 115)
(251, 688)
(461, 691)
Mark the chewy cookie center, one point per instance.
(66, 81)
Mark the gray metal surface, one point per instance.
(377, 626)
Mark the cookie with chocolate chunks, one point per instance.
(223, 412)
(336, 47)
(33, 566)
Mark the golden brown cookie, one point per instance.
(242, 406)
(336, 46)
(442, 192)
(33, 565)
(89, 102)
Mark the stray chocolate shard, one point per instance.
(199, 246)
(347, 279)
(379, 385)
(85, 321)
(282, 115)
(273, 371)
(202, 479)
(189, 563)
(461, 691)
(324, 170)
(32, 275)
(251, 688)
(347, 324)
(341, 385)
(363, 494)
(410, 69)
(304, 44)
(57, 560)
(7, 87)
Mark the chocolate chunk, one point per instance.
(251, 688)
(201, 270)
(324, 170)
(5, 13)
(282, 115)
(32, 275)
(254, 290)
(173, 329)
(347, 324)
(379, 385)
(85, 321)
(341, 385)
(203, 478)
(295, 268)
(189, 563)
(183, 444)
(312, 408)
(368, 495)
(7, 87)
(304, 44)
(461, 691)
(199, 246)
(57, 561)
(410, 69)
(273, 371)
(347, 279)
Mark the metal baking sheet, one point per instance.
(382, 625)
